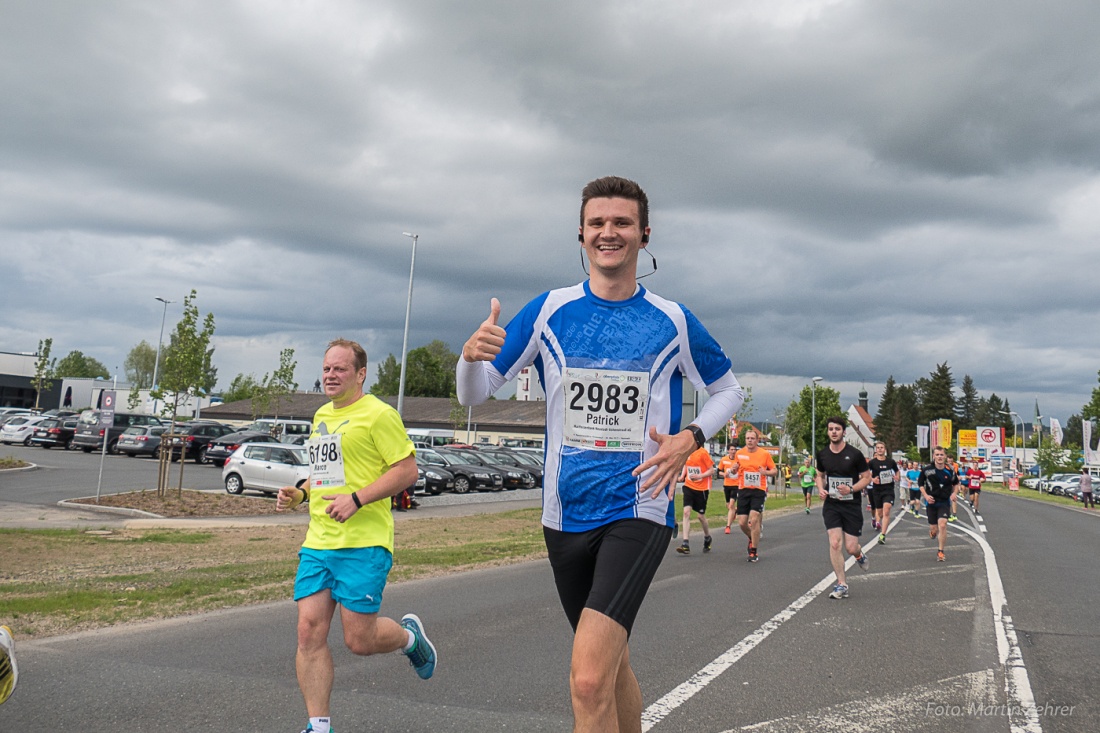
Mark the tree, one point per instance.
(44, 370)
(1073, 432)
(967, 406)
(937, 397)
(430, 373)
(896, 421)
(139, 365)
(188, 367)
(78, 366)
(281, 382)
(243, 387)
(828, 405)
(458, 414)
(1053, 458)
(1091, 409)
(388, 378)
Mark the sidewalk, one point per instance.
(67, 515)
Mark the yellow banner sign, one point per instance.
(968, 438)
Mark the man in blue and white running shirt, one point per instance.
(612, 358)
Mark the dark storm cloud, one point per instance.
(844, 189)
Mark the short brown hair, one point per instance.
(838, 420)
(358, 351)
(614, 187)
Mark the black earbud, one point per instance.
(580, 238)
(645, 239)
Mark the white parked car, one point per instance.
(265, 467)
(20, 429)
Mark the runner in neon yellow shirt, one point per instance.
(360, 456)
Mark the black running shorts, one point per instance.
(750, 500)
(730, 492)
(939, 510)
(696, 500)
(882, 495)
(844, 515)
(607, 569)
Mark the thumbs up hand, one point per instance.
(487, 340)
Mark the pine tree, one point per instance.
(967, 407)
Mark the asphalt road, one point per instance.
(720, 645)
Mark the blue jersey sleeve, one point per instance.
(517, 339)
(710, 360)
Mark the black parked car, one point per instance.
(515, 477)
(219, 449)
(196, 436)
(434, 478)
(503, 457)
(467, 476)
(57, 431)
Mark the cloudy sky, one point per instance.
(850, 189)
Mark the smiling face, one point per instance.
(342, 382)
(612, 235)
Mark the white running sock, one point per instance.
(320, 725)
(412, 642)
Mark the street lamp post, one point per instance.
(1014, 435)
(160, 339)
(813, 417)
(405, 342)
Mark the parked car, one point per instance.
(515, 477)
(265, 467)
(436, 478)
(219, 449)
(504, 457)
(89, 435)
(1060, 487)
(17, 413)
(55, 431)
(20, 429)
(195, 437)
(141, 440)
(467, 476)
(282, 430)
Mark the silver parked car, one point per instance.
(265, 467)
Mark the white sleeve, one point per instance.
(476, 381)
(726, 395)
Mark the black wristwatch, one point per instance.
(700, 439)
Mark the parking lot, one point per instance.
(61, 475)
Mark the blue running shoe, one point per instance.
(839, 591)
(422, 654)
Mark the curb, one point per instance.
(30, 467)
(72, 504)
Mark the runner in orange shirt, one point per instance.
(729, 484)
(696, 476)
(754, 466)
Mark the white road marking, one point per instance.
(879, 713)
(1017, 683)
(660, 709)
(1024, 719)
